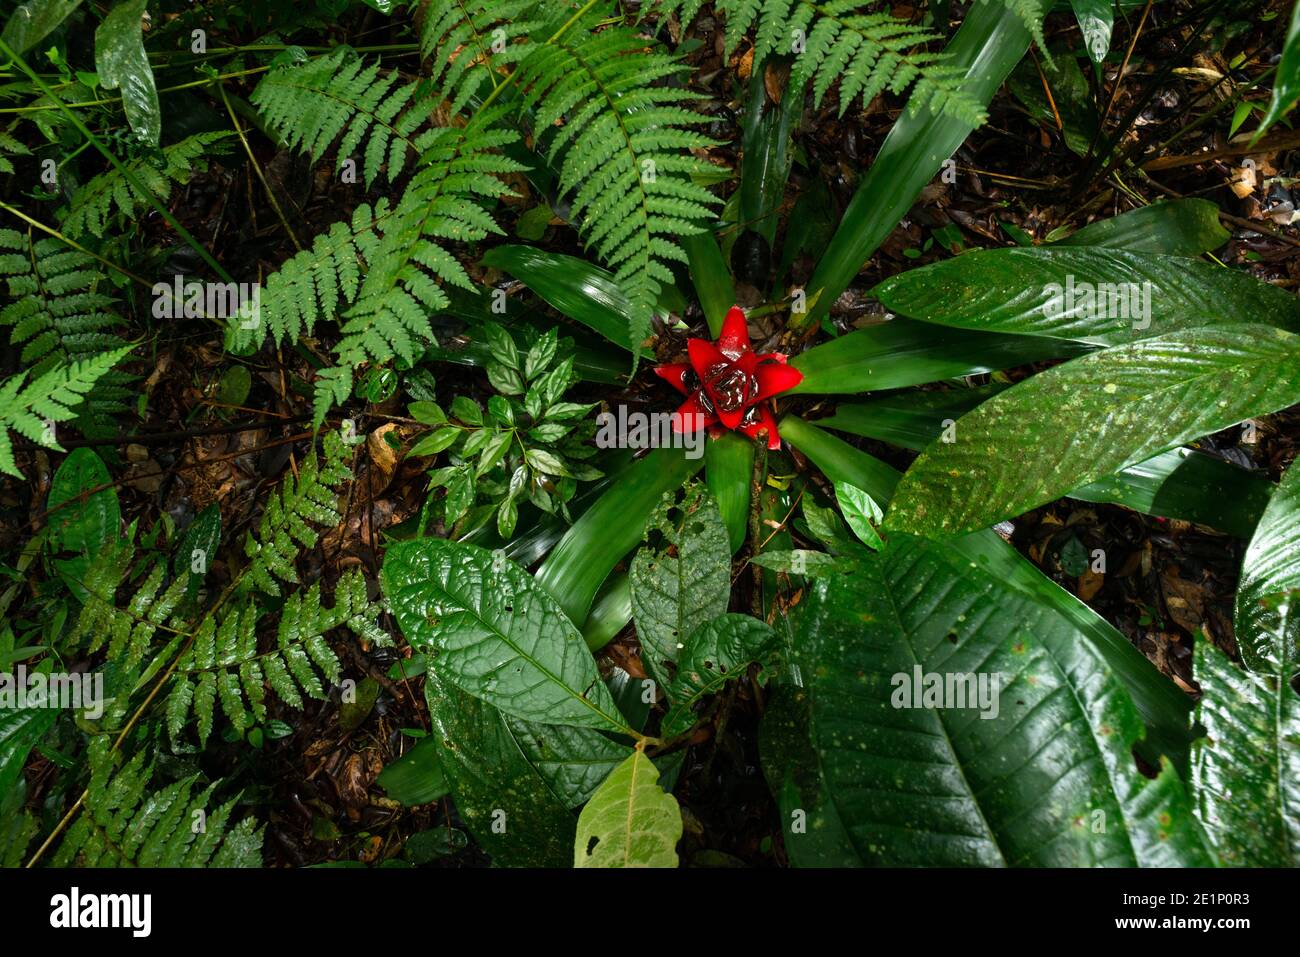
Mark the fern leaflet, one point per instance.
(469, 41)
(91, 206)
(314, 103)
(126, 825)
(622, 152)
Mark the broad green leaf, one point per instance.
(416, 777)
(1181, 483)
(1018, 750)
(1270, 576)
(682, 583)
(1246, 769)
(1096, 20)
(1179, 227)
(572, 761)
(573, 286)
(90, 523)
(991, 41)
(1072, 100)
(612, 527)
(1086, 419)
(629, 821)
(34, 20)
(503, 801)
(1088, 294)
(1286, 89)
(861, 512)
(901, 353)
(796, 561)
(717, 652)
(495, 633)
(121, 61)
(1163, 707)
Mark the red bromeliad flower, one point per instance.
(727, 385)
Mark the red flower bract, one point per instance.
(727, 385)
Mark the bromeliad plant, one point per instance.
(850, 576)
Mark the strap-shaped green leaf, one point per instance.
(1246, 770)
(496, 633)
(1089, 418)
(1090, 294)
(1022, 757)
(629, 821)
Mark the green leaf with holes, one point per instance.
(683, 581)
(629, 821)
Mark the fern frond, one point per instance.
(315, 103)
(59, 315)
(53, 397)
(223, 663)
(867, 53)
(1032, 13)
(622, 151)
(469, 41)
(401, 250)
(126, 825)
(10, 147)
(92, 205)
(283, 530)
(128, 631)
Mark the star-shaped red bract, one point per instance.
(727, 384)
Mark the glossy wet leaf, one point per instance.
(717, 652)
(1247, 768)
(578, 289)
(1096, 20)
(1088, 294)
(416, 777)
(34, 20)
(728, 472)
(572, 761)
(1270, 576)
(1181, 483)
(121, 62)
(1179, 227)
(87, 524)
(629, 821)
(1162, 706)
(1078, 422)
(861, 512)
(682, 583)
(1286, 88)
(495, 633)
(1039, 771)
(503, 801)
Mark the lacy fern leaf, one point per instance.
(32, 410)
(284, 528)
(867, 53)
(10, 147)
(223, 663)
(315, 103)
(622, 151)
(91, 206)
(468, 41)
(126, 825)
(60, 315)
